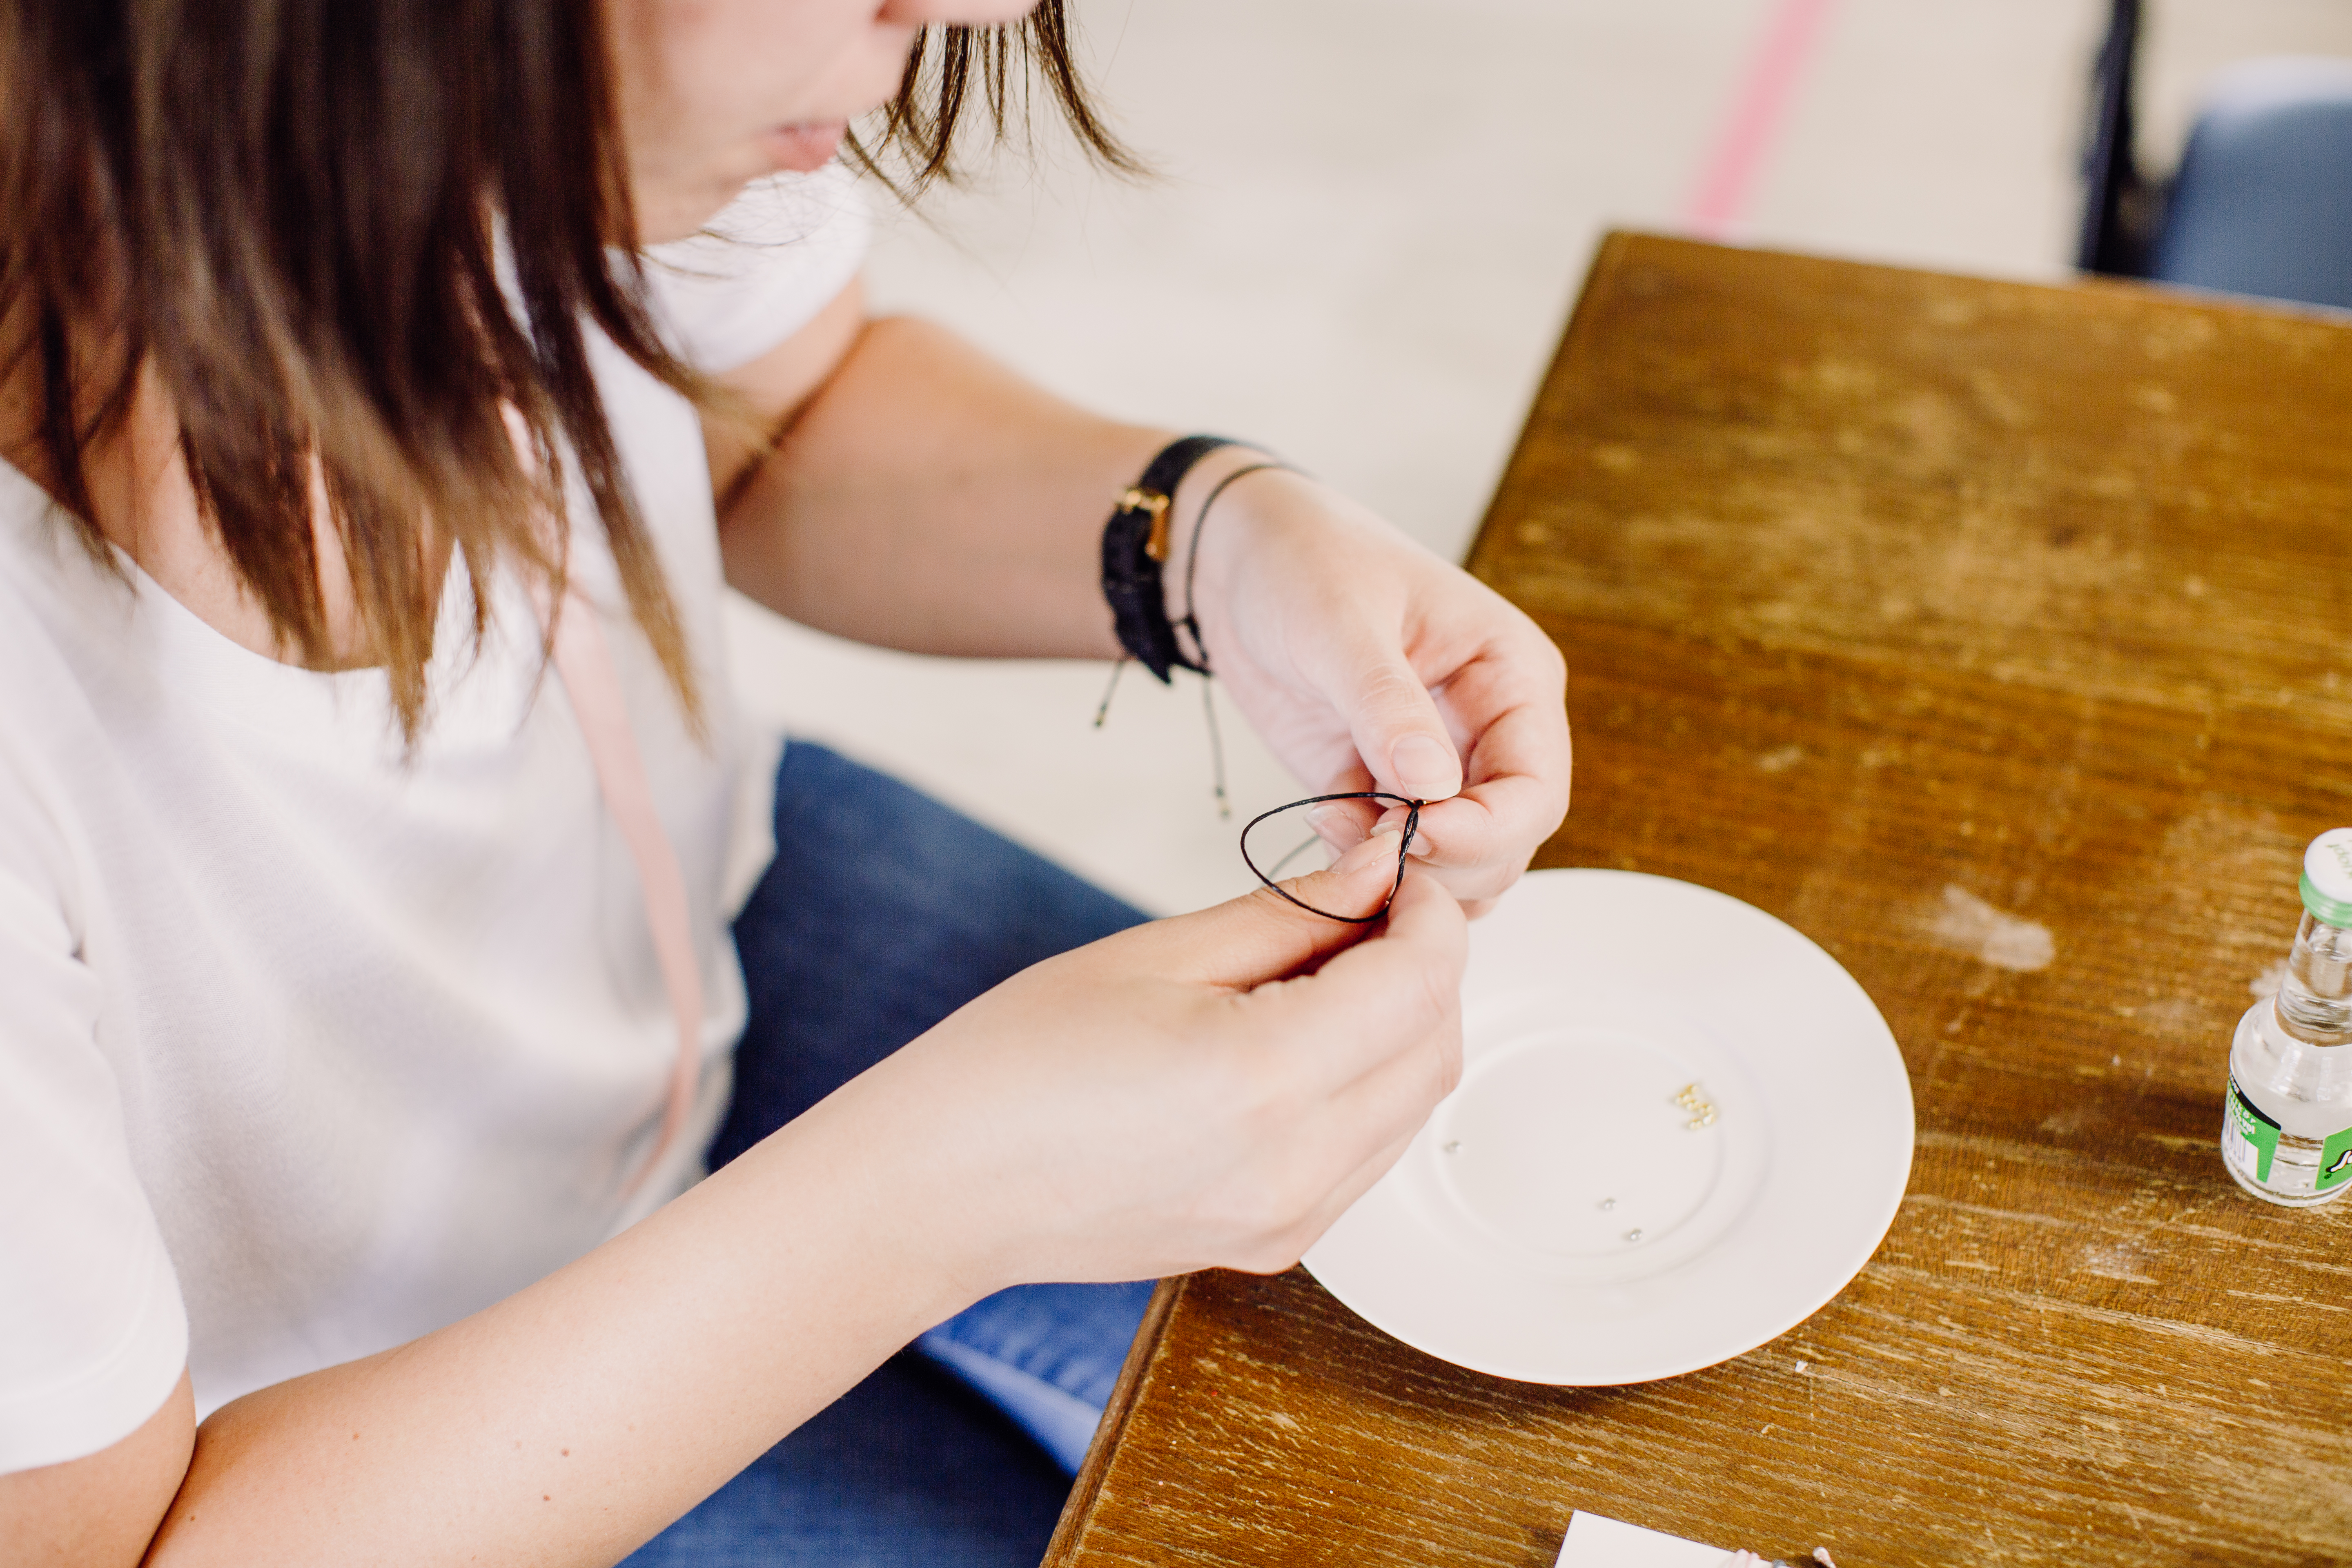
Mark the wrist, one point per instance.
(1138, 542)
(1214, 512)
(891, 1201)
(1218, 507)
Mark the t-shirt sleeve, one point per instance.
(93, 1333)
(761, 269)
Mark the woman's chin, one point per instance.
(673, 207)
(803, 148)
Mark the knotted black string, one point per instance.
(1411, 826)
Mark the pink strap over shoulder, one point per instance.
(583, 661)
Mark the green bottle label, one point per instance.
(2336, 1161)
(2262, 1135)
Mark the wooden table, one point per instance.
(1888, 597)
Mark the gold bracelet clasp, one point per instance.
(1134, 498)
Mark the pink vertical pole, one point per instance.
(1728, 179)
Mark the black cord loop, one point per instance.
(1411, 826)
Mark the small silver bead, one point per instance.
(1633, 1235)
(1608, 1203)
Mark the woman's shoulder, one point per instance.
(40, 736)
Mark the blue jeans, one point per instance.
(883, 912)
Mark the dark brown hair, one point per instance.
(289, 211)
(919, 127)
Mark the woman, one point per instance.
(371, 818)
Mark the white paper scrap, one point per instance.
(1594, 1542)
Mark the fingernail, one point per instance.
(1381, 848)
(1425, 767)
(1335, 826)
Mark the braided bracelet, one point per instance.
(1135, 547)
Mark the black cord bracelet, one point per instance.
(1135, 546)
(1192, 621)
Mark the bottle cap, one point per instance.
(2327, 877)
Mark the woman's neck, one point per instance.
(141, 500)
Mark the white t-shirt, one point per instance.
(306, 1050)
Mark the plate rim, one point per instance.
(1881, 1216)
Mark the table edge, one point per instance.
(1125, 1394)
(1606, 258)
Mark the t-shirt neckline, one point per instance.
(195, 661)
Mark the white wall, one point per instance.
(1371, 219)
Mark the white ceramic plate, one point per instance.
(1681, 1129)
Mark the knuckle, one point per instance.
(1545, 653)
(1259, 1222)
(1252, 1215)
(1272, 1257)
(1269, 909)
(1393, 686)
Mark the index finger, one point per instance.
(1517, 768)
(1261, 936)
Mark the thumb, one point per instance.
(1398, 732)
(1263, 936)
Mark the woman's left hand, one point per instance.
(1366, 663)
(923, 497)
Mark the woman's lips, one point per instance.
(804, 147)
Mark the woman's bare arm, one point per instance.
(922, 496)
(101, 1510)
(1211, 1090)
(571, 1421)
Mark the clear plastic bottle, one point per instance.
(2286, 1129)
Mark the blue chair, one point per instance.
(2261, 203)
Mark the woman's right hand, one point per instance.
(1212, 1089)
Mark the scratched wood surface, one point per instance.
(1931, 614)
